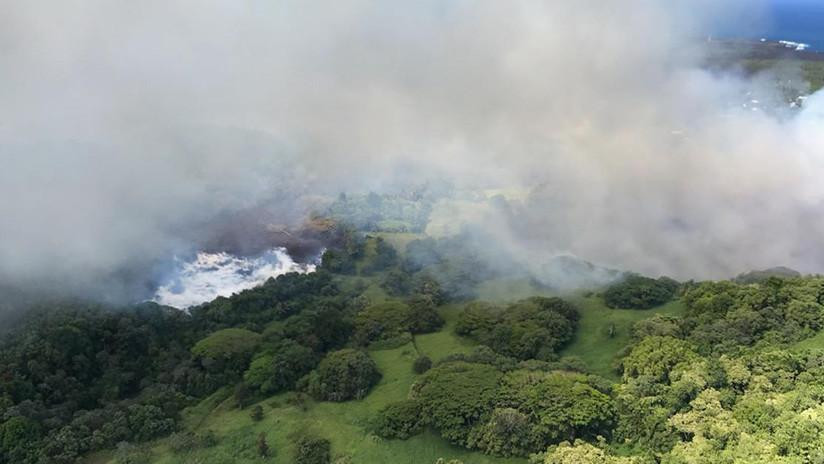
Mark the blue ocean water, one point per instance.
(796, 20)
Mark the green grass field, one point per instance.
(439, 344)
(592, 342)
(508, 290)
(399, 240)
(813, 343)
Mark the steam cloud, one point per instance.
(127, 127)
(220, 274)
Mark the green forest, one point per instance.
(395, 350)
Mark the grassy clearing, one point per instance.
(592, 342)
(399, 240)
(440, 344)
(813, 343)
(507, 290)
(372, 289)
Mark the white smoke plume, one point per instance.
(126, 127)
(210, 275)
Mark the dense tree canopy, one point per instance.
(344, 375)
(390, 319)
(80, 377)
(638, 292)
(280, 367)
(534, 328)
(456, 396)
(735, 378)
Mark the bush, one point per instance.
(422, 364)
(507, 433)
(399, 420)
(148, 421)
(338, 261)
(396, 282)
(256, 414)
(344, 375)
(385, 257)
(422, 316)
(455, 396)
(426, 285)
(242, 395)
(17, 436)
(381, 321)
(638, 292)
(392, 319)
(128, 453)
(534, 328)
(207, 439)
(227, 343)
(280, 369)
(262, 445)
(184, 442)
(656, 356)
(312, 450)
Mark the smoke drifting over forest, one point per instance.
(126, 128)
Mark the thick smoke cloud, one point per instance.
(126, 128)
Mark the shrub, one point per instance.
(207, 439)
(656, 356)
(396, 282)
(385, 257)
(381, 321)
(262, 445)
(392, 319)
(422, 364)
(534, 328)
(422, 316)
(507, 433)
(426, 285)
(17, 435)
(399, 420)
(344, 375)
(128, 453)
(148, 421)
(455, 396)
(226, 343)
(256, 414)
(310, 449)
(183, 442)
(242, 395)
(280, 369)
(338, 261)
